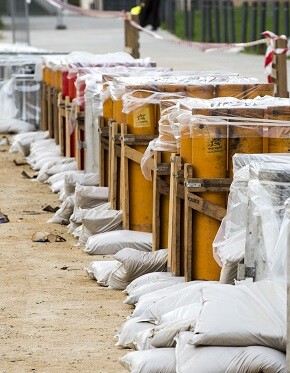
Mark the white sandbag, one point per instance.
(229, 271)
(21, 142)
(112, 242)
(128, 331)
(164, 335)
(39, 147)
(142, 340)
(149, 288)
(181, 313)
(70, 166)
(42, 150)
(100, 221)
(231, 254)
(88, 179)
(44, 158)
(74, 229)
(134, 264)
(62, 195)
(63, 214)
(183, 297)
(57, 186)
(213, 359)
(101, 270)
(150, 361)
(77, 231)
(60, 176)
(88, 197)
(42, 173)
(79, 214)
(147, 300)
(148, 278)
(244, 315)
(15, 126)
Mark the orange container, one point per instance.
(140, 122)
(209, 160)
(279, 137)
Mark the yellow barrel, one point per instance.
(108, 110)
(247, 138)
(141, 121)
(279, 137)
(45, 75)
(59, 80)
(204, 92)
(209, 159)
(118, 115)
(242, 91)
(200, 91)
(167, 138)
(48, 76)
(53, 75)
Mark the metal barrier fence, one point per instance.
(20, 21)
(223, 21)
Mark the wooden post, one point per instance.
(49, 111)
(156, 204)
(188, 173)
(124, 179)
(174, 217)
(44, 125)
(67, 127)
(131, 36)
(55, 115)
(101, 124)
(61, 122)
(113, 164)
(279, 72)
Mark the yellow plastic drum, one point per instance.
(209, 160)
(279, 137)
(141, 121)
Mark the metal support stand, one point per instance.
(59, 20)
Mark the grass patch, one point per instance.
(233, 25)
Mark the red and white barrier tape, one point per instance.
(270, 37)
(59, 4)
(270, 52)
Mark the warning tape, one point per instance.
(201, 46)
(269, 36)
(270, 52)
(59, 4)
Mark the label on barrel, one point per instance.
(215, 145)
(142, 118)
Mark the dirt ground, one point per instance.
(53, 317)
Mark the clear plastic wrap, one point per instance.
(180, 79)
(19, 64)
(78, 59)
(55, 62)
(136, 100)
(228, 118)
(20, 96)
(253, 180)
(277, 264)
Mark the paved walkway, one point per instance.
(105, 35)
